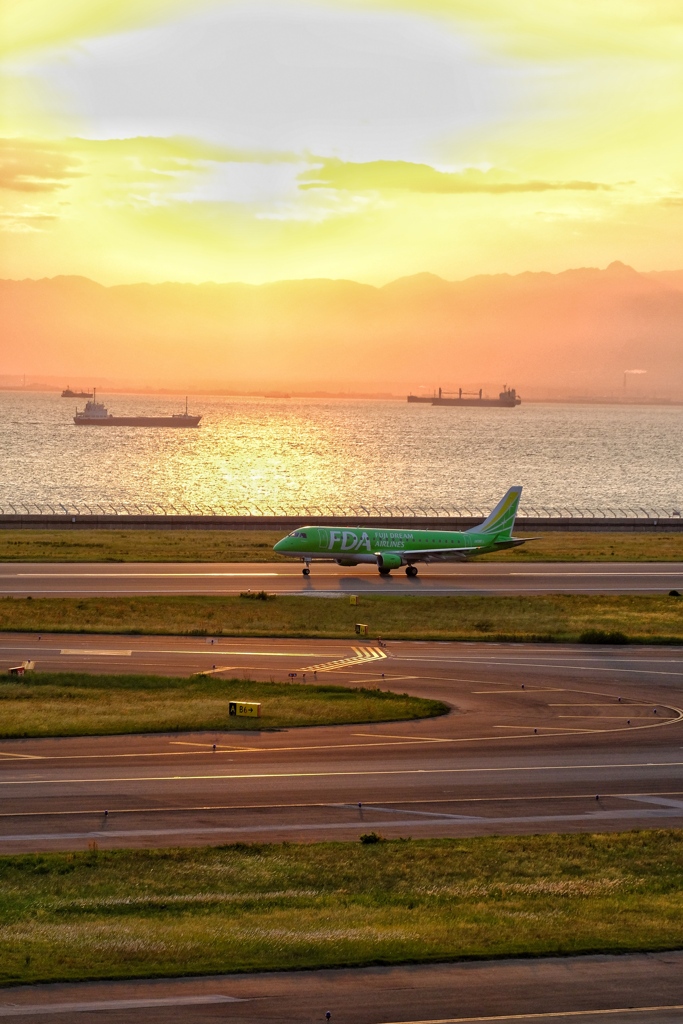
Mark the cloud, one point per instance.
(22, 222)
(556, 28)
(39, 165)
(35, 167)
(30, 25)
(382, 175)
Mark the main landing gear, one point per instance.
(411, 570)
(306, 571)
(384, 572)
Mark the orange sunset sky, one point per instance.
(187, 141)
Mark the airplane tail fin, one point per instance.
(501, 521)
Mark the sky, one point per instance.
(208, 140)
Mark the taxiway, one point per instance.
(539, 739)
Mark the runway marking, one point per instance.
(452, 820)
(88, 651)
(31, 1009)
(676, 804)
(411, 739)
(529, 689)
(221, 668)
(552, 728)
(189, 743)
(637, 573)
(130, 575)
(210, 748)
(205, 651)
(327, 775)
(537, 664)
(553, 1015)
(387, 679)
(31, 757)
(362, 655)
(610, 718)
(96, 811)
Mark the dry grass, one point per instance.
(193, 911)
(257, 546)
(640, 618)
(70, 704)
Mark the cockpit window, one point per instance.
(298, 533)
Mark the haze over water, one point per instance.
(298, 454)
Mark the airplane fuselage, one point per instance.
(352, 545)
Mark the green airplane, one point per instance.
(390, 549)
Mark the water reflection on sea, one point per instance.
(302, 453)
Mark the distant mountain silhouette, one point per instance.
(577, 330)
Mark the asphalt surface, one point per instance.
(583, 990)
(539, 739)
(108, 579)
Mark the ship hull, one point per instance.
(478, 403)
(137, 421)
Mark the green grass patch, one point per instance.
(557, 617)
(576, 546)
(76, 704)
(146, 913)
(35, 545)
(139, 545)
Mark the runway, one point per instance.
(330, 580)
(539, 739)
(583, 990)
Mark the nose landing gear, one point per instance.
(306, 571)
(411, 570)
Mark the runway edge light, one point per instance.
(245, 708)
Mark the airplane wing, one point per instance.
(461, 552)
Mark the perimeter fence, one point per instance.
(369, 510)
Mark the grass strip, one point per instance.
(75, 704)
(35, 545)
(146, 913)
(545, 618)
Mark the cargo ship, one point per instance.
(507, 399)
(96, 414)
(68, 393)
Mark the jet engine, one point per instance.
(388, 560)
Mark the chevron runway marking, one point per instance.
(362, 655)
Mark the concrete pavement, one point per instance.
(539, 739)
(330, 580)
(644, 989)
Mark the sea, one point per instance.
(321, 456)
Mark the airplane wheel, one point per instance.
(384, 572)
(306, 571)
(411, 570)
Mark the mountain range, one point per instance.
(578, 331)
